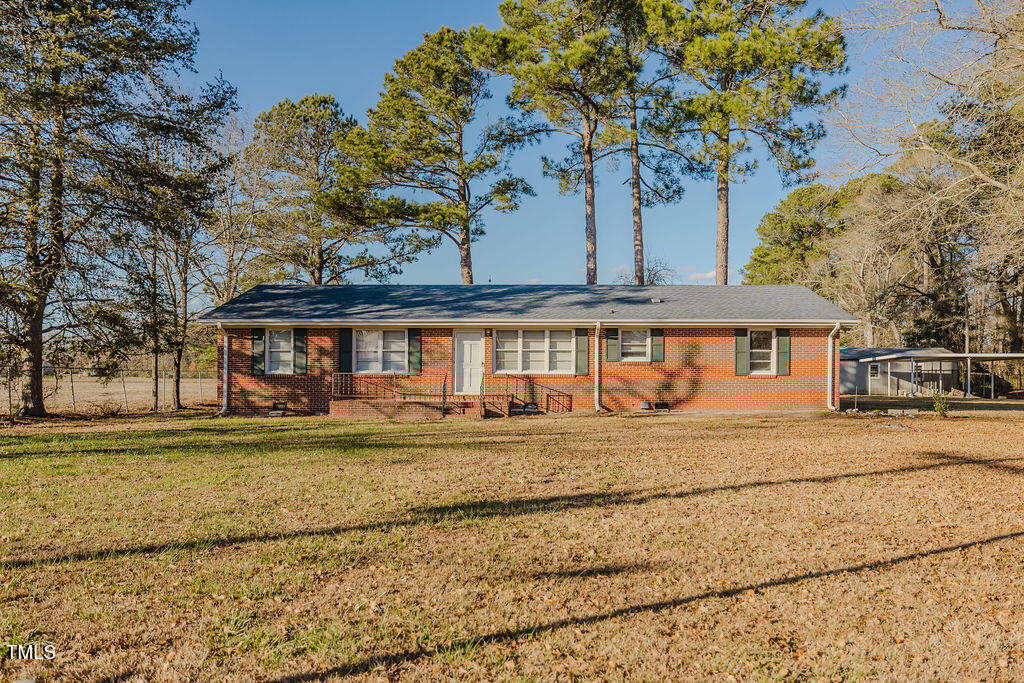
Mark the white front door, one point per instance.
(469, 361)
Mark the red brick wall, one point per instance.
(309, 393)
(697, 374)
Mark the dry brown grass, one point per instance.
(586, 547)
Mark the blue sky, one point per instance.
(271, 50)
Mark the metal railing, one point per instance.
(394, 387)
(523, 389)
(501, 394)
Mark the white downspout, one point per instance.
(831, 367)
(224, 383)
(597, 367)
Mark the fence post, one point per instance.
(124, 392)
(200, 373)
(71, 372)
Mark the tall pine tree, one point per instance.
(747, 70)
(564, 64)
(424, 137)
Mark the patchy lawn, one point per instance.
(585, 547)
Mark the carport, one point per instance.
(919, 356)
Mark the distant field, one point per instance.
(826, 547)
(93, 395)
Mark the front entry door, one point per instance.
(469, 361)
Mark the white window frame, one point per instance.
(774, 355)
(877, 367)
(647, 355)
(380, 351)
(547, 351)
(291, 351)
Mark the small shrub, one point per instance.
(940, 405)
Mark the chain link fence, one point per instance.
(93, 391)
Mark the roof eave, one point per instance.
(442, 322)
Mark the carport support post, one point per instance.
(913, 379)
(888, 377)
(968, 376)
(992, 379)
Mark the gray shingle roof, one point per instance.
(325, 304)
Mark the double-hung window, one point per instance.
(381, 351)
(635, 345)
(873, 370)
(280, 352)
(533, 351)
(762, 352)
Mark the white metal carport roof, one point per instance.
(915, 355)
(949, 355)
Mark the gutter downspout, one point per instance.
(831, 366)
(597, 367)
(224, 383)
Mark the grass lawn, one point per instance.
(659, 547)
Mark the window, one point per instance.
(560, 350)
(634, 345)
(506, 350)
(381, 351)
(533, 351)
(280, 352)
(873, 370)
(762, 351)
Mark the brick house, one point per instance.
(433, 351)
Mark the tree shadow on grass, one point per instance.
(343, 443)
(503, 508)
(372, 663)
(588, 572)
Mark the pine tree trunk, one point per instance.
(591, 221)
(32, 389)
(466, 233)
(722, 239)
(639, 275)
(316, 269)
(466, 257)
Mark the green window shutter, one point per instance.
(415, 351)
(582, 352)
(299, 350)
(345, 349)
(259, 350)
(657, 345)
(742, 352)
(611, 344)
(782, 352)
